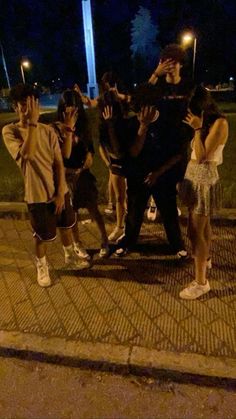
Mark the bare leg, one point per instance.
(201, 247)
(191, 232)
(119, 187)
(208, 233)
(97, 217)
(111, 193)
(40, 248)
(66, 236)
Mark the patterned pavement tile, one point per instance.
(132, 300)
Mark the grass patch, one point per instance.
(11, 182)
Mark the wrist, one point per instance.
(32, 124)
(69, 128)
(198, 129)
(155, 73)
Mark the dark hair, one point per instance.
(173, 51)
(109, 77)
(22, 91)
(72, 98)
(202, 101)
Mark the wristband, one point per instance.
(69, 129)
(198, 129)
(30, 124)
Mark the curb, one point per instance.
(120, 359)
(226, 216)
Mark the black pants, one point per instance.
(165, 197)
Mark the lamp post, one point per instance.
(187, 38)
(24, 64)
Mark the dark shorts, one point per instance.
(44, 221)
(83, 189)
(117, 167)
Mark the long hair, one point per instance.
(72, 98)
(202, 102)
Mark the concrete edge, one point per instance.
(119, 358)
(226, 216)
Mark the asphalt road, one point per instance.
(36, 390)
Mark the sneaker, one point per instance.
(80, 251)
(109, 209)
(152, 213)
(72, 261)
(179, 211)
(122, 251)
(116, 234)
(43, 277)
(194, 290)
(182, 254)
(104, 251)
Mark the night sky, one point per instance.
(50, 34)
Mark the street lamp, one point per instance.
(24, 64)
(188, 38)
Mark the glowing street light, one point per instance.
(188, 38)
(24, 64)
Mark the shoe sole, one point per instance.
(195, 298)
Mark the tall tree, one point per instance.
(144, 45)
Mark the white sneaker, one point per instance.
(74, 262)
(109, 209)
(80, 251)
(152, 213)
(194, 290)
(43, 277)
(116, 234)
(182, 254)
(104, 251)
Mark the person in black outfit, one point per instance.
(77, 151)
(161, 160)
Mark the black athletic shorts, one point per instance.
(44, 221)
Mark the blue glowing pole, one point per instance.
(92, 86)
(5, 65)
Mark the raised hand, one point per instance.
(70, 116)
(193, 121)
(77, 89)
(148, 115)
(32, 109)
(164, 67)
(107, 113)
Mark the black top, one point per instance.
(81, 145)
(168, 137)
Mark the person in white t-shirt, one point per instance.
(34, 146)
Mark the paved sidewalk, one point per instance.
(121, 312)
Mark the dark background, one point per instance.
(50, 34)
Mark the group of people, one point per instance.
(144, 141)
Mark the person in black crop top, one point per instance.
(77, 151)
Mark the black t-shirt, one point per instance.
(172, 134)
(81, 145)
(117, 135)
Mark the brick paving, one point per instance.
(128, 301)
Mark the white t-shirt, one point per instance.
(38, 173)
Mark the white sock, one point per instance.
(42, 260)
(69, 250)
